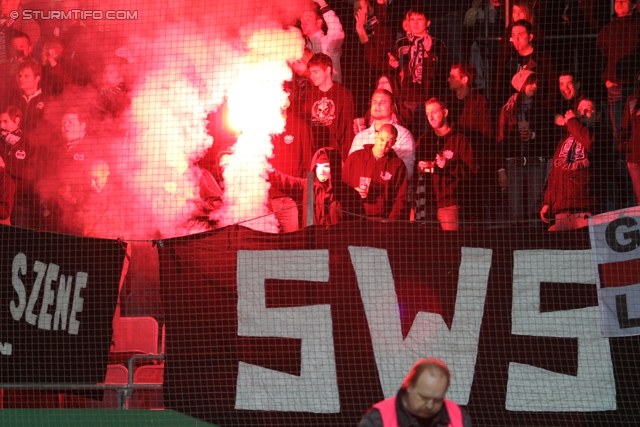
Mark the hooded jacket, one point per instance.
(333, 200)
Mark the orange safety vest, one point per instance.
(389, 417)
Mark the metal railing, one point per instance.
(125, 391)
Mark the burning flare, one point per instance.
(256, 101)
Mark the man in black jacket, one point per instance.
(526, 56)
(445, 159)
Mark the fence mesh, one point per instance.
(264, 213)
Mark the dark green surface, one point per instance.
(95, 418)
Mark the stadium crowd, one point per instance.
(414, 111)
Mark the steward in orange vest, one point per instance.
(420, 402)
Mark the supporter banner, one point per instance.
(311, 328)
(615, 239)
(57, 301)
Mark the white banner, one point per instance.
(615, 243)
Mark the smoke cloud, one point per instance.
(176, 63)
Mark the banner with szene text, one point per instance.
(57, 302)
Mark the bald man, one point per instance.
(380, 176)
(420, 401)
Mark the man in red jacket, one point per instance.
(380, 176)
(568, 196)
(420, 401)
